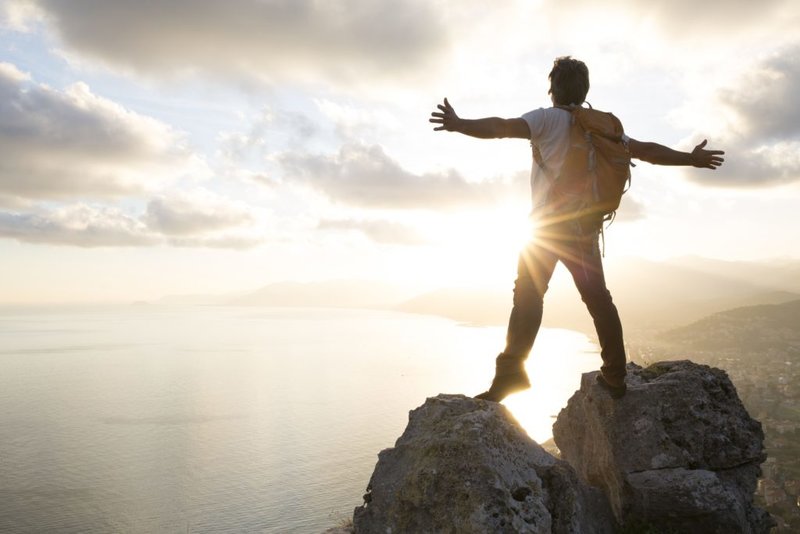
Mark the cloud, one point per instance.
(762, 101)
(79, 225)
(226, 242)
(201, 212)
(630, 209)
(357, 122)
(17, 15)
(75, 144)
(758, 165)
(686, 18)
(365, 176)
(269, 130)
(385, 232)
(761, 130)
(62, 151)
(337, 40)
(200, 220)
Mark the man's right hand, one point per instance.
(446, 117)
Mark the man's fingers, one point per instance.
(714, 162)
(446, 113)
(712, 158)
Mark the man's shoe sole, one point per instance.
(508, 384)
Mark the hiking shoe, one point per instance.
(616, 392)
(505, 385)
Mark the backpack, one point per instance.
(596, 170)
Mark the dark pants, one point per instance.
(580, 254)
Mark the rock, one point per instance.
(465, 466)
(678, 452)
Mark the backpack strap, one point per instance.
(572, 107)
(537, 154)
(537, 157)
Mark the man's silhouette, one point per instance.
(572, 241)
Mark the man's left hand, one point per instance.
(706, 159)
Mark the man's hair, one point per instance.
(569, 81)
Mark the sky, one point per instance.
(197, 146)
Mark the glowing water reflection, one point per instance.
(555, 366)
(175, 419)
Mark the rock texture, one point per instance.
(465, 466)
(678, 452)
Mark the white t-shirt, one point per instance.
(550, 132)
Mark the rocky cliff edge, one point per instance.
(678, 453)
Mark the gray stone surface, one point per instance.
(465, 466)
(679, 451)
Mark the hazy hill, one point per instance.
(746, 329)
(471, 306)
(327, 294)
(650, 296)
(656, 296)
(779, 273)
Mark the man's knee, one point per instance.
(527, 292)
(598, 299)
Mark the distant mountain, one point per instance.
(655, 296)
(327, 294)
(779, 273)
(472, 306)
(651, 296)
(748, 328)
(193, 300)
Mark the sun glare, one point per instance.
(558, 359)
(481, 248)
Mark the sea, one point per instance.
(154, 418)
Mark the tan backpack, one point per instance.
(596, 170)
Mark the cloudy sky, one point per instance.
(197, 146)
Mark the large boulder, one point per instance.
(678, 451)
(465, 466)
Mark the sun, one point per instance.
(480, 248)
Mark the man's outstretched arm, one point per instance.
(661, 155)
(488, 128)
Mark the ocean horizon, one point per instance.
(154, 418)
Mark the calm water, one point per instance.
(210, 419)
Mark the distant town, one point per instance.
(759, 348)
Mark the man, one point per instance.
(571, 240)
